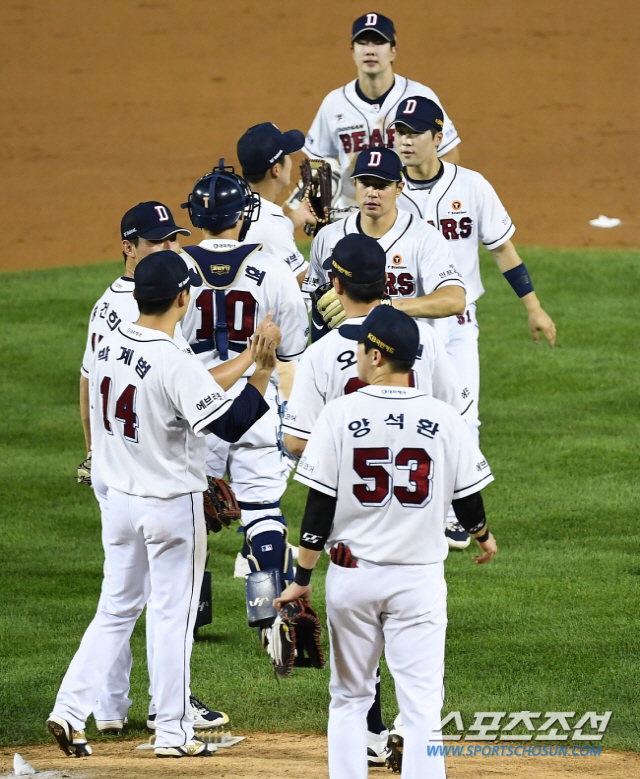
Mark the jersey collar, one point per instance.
(219, 245)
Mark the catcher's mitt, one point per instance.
(220, 505)
(316, 179)
(84, 471)
(295, 639)
(329, 306)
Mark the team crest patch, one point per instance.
(456, 205)
(220, 269)
(397, 259)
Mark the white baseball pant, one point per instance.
(149, 544)
(462, 348)
(401, 609)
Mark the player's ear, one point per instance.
(128, 249)
(338, 286)
(438, 138)
(399, 187)
(394, 51)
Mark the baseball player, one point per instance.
(151, 404)
(264, 155)
(357, 116)
(422, 279)
(146, 228)
(383, 465)
(241, 284)
(465, 208)
(328, 369)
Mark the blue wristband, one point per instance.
(519, 279)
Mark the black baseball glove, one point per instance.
(220, 505)
(295, 639)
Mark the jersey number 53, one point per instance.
(370, 464)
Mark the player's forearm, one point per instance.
(227, 373)
(84, 410)
(507, 259)
(294, 444)
(445, 301)
(260, 379)
(286, 373)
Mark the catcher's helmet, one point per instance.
(220, 199)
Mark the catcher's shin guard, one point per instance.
(262, 588)
(271, 564)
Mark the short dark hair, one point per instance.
(397, 366)
(155, 307)
(258, 178)
(363, 293)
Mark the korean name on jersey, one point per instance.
(419, 260)
(394, 458)
(345, 125)
(260, 284)
(465, 208)
(329, 369)
(143, 387)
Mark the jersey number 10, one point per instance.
(369, 465)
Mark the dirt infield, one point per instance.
(263, 756)
(107, 104)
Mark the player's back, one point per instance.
(329, 369)
(400, 457)
(242, 284)
(115, 306)
(146, 397)
(275, 232)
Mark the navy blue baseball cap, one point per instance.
(263, 145)
(161, 275)
(388, 329)
(152, 220)
(357, 258)
(376, 23)
(420, 114)
(380, 162)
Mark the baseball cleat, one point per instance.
(377, 750)
(203, 717)
(72, 742)
(241, 568)
(395, 745)
(193, 748)
(114, 726)
(457, 536)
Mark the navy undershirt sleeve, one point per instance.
(317, 520)
(245, 410)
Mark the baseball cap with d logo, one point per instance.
(151, 220)
(380, 162)
(374, 23)
(419, 114)
(388, 329)
(357, 258)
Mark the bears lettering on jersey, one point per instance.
(452, 229)
(356, 139)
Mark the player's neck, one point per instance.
(232, 234)
(166, 323)
(269, 189)
(375, 85)
(376, 228)
(384, 378)
(354, 308)
(427, 170)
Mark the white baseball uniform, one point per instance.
(418, 259)
(150, 402)
(346, 124)
(465, 208)
(329, 369)
(261, 284)
(115, 307)
(394, 458)
(274, 231)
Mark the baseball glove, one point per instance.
(220, 505)
(316, 179)
(329, 306)
(84, 471)
(295, 639)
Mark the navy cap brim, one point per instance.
(371, 29)
(194, 278)
(420, 127)
(160, 233)
(374, 175)
(328, 264)
(293, 141)
(353, 332)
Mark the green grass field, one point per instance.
(550, 625)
